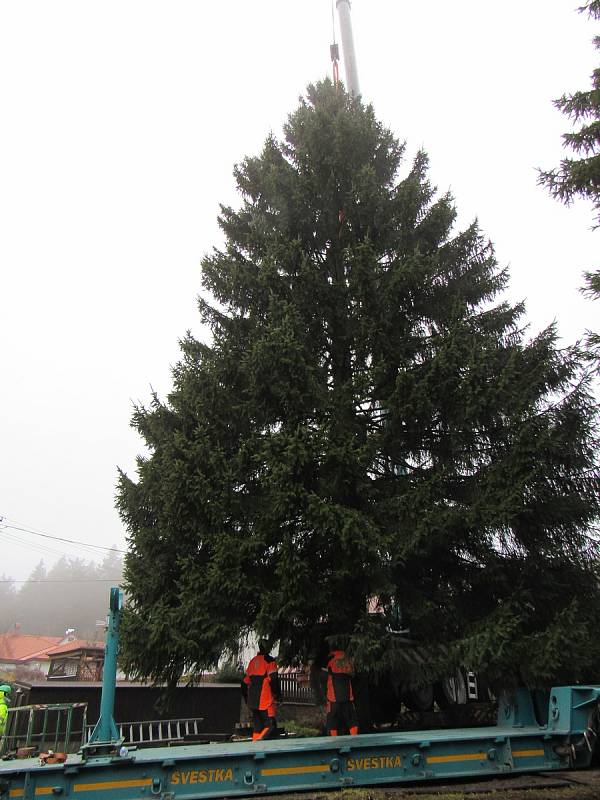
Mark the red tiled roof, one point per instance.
(16, 647)
(75, 644)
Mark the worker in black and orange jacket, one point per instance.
(261, 691)
(341, 714)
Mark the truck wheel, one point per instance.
(420, 698)
(451, 691)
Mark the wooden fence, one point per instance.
(295, 688)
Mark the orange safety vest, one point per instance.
(339, 672)
(263, 682)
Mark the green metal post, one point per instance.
(29, 729)
(84, 725)
(57, 728)
(44, 727)
(106, 730)
(68, 728)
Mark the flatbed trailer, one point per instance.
(105, 768)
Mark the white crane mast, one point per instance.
(343, 7)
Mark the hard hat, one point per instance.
(5, 688)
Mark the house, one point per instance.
(20, 650)
(76, 660)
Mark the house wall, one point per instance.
(11, 666)
(43, 666)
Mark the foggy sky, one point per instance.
(122, 122)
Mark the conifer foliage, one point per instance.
(580, 176)
(592, 290)
(370, 426)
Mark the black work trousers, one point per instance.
(264, 726)
(341, 718)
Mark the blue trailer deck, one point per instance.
(516, 744)
(105, 769)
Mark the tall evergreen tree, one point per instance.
(369, 421)
(31, 601)
(73, 593)
(8, 597)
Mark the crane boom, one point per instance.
(343, 7)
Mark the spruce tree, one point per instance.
(370, 425)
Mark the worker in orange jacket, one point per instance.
(341, 714)
(262, 692)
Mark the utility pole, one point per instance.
(343, 7)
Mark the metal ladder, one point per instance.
(157, 732)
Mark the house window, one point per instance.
(63, 669)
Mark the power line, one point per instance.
(61, 539)
(40, 545)
(50, 548)
(27, 544)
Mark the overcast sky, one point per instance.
(122, 122)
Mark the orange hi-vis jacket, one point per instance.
(262, 681)
(339, 673)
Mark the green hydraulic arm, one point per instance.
(105, 734)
